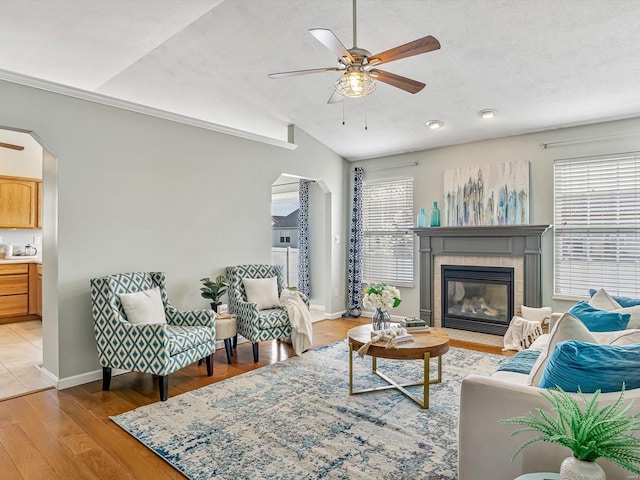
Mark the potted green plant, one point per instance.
(214, 289)
(590, 433)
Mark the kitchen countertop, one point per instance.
(4, 261)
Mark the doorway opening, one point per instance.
(23, 322)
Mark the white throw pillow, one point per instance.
(603, 301)
(627, 337)
(144, 307)
(262, 291)
(535, 314)
(567, 328)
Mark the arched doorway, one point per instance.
(285, 236)
(28, 322)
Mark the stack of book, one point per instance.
(413, 325)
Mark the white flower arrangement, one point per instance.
(381, 296)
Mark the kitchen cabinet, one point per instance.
(20, 202)
(35, 289)
(14, 289)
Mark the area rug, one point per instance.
(296, 420)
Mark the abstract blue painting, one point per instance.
(492, 194)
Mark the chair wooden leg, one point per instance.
(235, 341)
(255, 352)
(229, 349)
(199, 362)
(163, 384)
(210, 365)
(106, 378)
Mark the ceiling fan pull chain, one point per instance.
(343, 112)
(366, 126)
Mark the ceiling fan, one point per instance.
(360, 65)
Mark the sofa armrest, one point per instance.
(190, 318)
(554, 319)
(486, 446)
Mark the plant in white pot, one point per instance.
(214, 289)
(590, 433)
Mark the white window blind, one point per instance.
(596, 225)
(387, 216)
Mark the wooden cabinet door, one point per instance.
(17, 203)
(39, 202)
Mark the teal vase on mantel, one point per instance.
(422, 219)
(434, 215)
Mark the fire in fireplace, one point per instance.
(477, 298)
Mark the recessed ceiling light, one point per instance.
(435, 124)
(487, 113)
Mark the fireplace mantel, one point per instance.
(491, 241)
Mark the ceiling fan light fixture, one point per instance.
(487, 114)
(355, 83)
(435, 124)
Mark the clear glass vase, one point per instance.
(381, 319)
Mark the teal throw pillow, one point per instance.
(599, 320)
(622, 301)
(591, 367)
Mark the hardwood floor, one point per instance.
(67, 434)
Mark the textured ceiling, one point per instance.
(539, 64)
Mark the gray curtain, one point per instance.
(303, 239)
(354, 271)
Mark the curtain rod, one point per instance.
(395, 165)
(546, 145)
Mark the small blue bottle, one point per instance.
(422, 219)
(434, 215)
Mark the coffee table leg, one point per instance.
(426, 381)
(374, 364)
(350, 369)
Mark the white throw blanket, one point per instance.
(300, 318)
(521, 333)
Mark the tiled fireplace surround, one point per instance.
(515, 246)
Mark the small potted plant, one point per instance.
(214, 289)
(590, 434)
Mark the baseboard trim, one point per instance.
(333, 316)
(81, 379)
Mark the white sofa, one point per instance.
(486, 446)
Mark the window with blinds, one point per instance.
(597, 224)
(387, 216)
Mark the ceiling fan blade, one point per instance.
(11, 146)
(422, 45)
(329, 40)
(335, 98)
(404, 83)
(304, 72)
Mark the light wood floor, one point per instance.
(67, 434)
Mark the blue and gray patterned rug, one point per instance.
(296, 420)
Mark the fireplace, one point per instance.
(477, 298)
(518, 247)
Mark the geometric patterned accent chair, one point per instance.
(156, 348)
(253, 324)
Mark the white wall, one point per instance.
(138, 193)
(429, 177)
(20, 163)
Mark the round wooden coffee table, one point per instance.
(425, 345)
